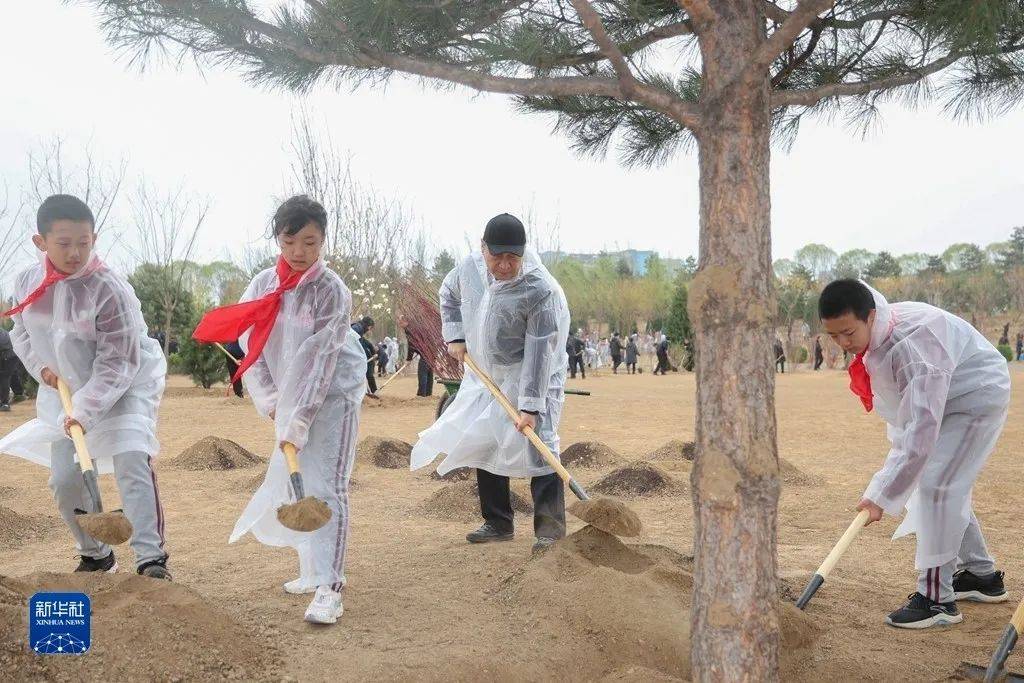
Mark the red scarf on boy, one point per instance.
(53, 276)
(860, 381)
(228, 323)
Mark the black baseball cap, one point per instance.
(505, 234)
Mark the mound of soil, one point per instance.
(589, 454)
(6, 492)
(460, 502)
(389, 454)
(458, 474)
(16, 529)
(640, 478)
(794, 476)
(675, 450)
(631, 602)
(215, 453)
(142, 629)
(608, 515)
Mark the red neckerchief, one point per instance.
(228, 323)
(53, 276)
(860, 381)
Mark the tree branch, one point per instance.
(700, 12)
(782, 38)
(592, 22)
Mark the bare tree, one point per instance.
(12, 235)
(166, 227)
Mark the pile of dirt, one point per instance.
(675, 449)
(632, 603)
(215, 453)
(458, 474)
(460, 502)
(6, 492)
(640, 478)
(588, 454)
(16, 529)
(792, 475)
(142, 629)
(389, 454)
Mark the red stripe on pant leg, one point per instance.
(346, 438)
(156, 500)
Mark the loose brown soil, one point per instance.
(390, 454)
(589, 454)
(215, 453)
(638, 479)
(460, 501)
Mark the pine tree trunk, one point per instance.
(735, 630)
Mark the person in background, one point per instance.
(632, 352)
(819, 353)
(1020, 346)
(363, 327)
(780, 356)
(382, 357)
(7, 370)
(615, 349)
(235, 349)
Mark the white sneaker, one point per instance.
(298, 587)
(326, 606)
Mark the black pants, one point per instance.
(8, 367)
(232, 368)
(616, 362)
(576, 363)
(818, 360)
(424, 379)
(370, 379)
(662, 366)
(548, 503)
(631, 367)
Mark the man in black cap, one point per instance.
(362, 327)
(504, 308)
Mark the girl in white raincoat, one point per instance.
(943, 391)
(80, 321)
(515, 324)
(309, 378)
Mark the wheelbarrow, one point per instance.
(451, 387)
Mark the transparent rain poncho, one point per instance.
(516, 331)
(311, 373)
(943, 390)
(89, 330)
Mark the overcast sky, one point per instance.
(920, 184)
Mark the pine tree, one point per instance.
(205, 363)
(884, 265)
(651, 77)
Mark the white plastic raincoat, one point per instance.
(944, 391)
(392, 346)
(312, 374)
(516, 331)
(88, 328)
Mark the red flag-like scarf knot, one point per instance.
(860, 382)
(228, 323)
(53, 276)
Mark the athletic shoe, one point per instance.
(5, 408)
(298, 587)
(488, 534)
(969, 586)
(104, 564)
(325, 608)
(922, 612)
(155, 569)
(543, 543)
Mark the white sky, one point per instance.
(458, 158)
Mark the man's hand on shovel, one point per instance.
(526, 420)
(70, 422)
(874, 511)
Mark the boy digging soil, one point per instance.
(944, 391)
(81, 322)
(305, 370)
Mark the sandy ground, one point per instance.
(423, 604)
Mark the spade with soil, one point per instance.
(996, 670)
(833, 557)
(604, 513)
(306, 513)
(112, 528)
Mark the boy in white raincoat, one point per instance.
(81, 322)
(943, 390)
(504, 308)
(305, 370)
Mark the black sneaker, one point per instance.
(543, 543)
(155, 569)
(488, 534)
(5, 408)
(968, 586)
(922, 612)
(105, 564)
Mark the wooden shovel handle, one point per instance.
(291, 454)
(843, 543)
(77, 433)
(1018, 618)
(549, 457)
(388, 380)
(227, 353)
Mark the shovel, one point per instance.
(833, 557)
(604, 513)
(112, 528)
(306, 513)
(996, 670)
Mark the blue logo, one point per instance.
(59, 623)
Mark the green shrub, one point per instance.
(800, 355)
(1007, 352)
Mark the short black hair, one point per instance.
(845, 296)
(62, 207)
(296, 213)
(367, 322)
